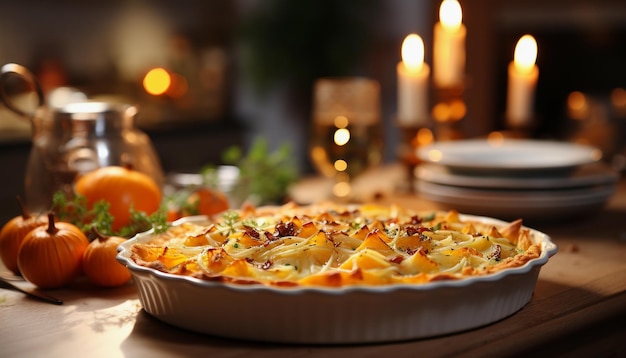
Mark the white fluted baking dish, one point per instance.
(335, 315)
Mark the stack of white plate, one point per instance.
(515, 178)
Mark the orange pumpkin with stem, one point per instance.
(100, 264)
(13, 233)
(51, 256)
(122, 188)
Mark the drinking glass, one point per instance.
(346, 138)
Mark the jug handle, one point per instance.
(28, 77)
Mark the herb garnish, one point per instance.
(76, 211)
(231, 218)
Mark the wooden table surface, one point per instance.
(578, 309)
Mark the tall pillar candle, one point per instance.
(522, 81)
(413, 76)
(449, 46)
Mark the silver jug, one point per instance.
(76, 138)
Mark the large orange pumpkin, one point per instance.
(122, 188)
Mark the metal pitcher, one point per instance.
(75, 138)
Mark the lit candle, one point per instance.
(523, 74)
(412, 83)
(449, 46)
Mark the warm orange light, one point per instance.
(435, 155)
(341, 189)
(157, 81)
(178, 86)
(423, 137)
(320, 158)
(577, 106)
(618, 98)
(525, 54)
(413, 53)
(576, 100)
(441, 112)
(341, 165)
(341, 121)
(457, 110)
(495, 139)
(450, 15)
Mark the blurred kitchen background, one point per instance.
(246, 68)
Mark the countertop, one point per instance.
(578, 309)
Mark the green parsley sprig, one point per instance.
(76, 211)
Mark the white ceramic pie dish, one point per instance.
(334, 316)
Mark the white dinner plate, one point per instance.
(533, 205)
(511, 156)
(584, 176)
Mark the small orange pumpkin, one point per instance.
(13, 233)
(207, 201)
(122, 188)
(51, 256)
(100, 264)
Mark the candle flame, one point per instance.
(450, 15)
(413, 52)
(525, 54)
